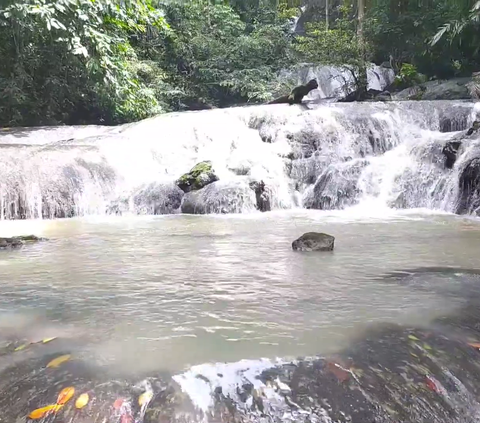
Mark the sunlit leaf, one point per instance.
(47, 340)
(40, 413)
(59, 360)
(82, 401)
(65, 395)
(22, 347)
(413, 338)
(145, 398)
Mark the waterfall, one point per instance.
(323, 156)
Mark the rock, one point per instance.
(18, 241)
(220, 197)
(474, 128)
(201, 175)
(453, 89)
(450, 152)
(383, 96)
(469, 185)
(158, 198)
(314, 241)
(153, 199)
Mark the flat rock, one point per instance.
(314, 241)
(18, 241)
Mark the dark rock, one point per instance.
(469, 185)
(383, 96)
(262, 195)
(201, 175)
(18, 241)
(474, 128)
(454, 89)
(450, 152)
(314, 241)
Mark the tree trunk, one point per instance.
(326, 14)
(361, 15)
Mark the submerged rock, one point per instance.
(201, 175)
(18, 241)
(314, 241)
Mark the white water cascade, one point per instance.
(329, 156)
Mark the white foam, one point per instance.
(227, 376)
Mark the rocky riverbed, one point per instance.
(390, 373)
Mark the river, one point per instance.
(184, 294)
(183, 290)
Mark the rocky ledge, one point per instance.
(19, 241)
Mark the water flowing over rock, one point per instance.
(321, 156)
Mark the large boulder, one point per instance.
(453, 89)
(314, 241)
(154, 198)
(469, 185)
(221, 197)
(201, 175)
(158, 198)
(18, 241)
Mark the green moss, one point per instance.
(199, 176)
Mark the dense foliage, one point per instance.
(112, 61)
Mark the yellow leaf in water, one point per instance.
(40, 413)
(413, 338)
(47, 340)
(65, 395)
(21, 347)
(82, 401)
(59, 360)
(145, 398)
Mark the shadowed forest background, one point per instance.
(114, 61)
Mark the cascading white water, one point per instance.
(324, 156)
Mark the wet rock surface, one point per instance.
(469, 185)
(221, 197)
(454, 89)
(388, 374)
(314, 241)
(19, 241)
(201, 175)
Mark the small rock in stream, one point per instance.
(314, 241)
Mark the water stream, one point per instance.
(213, 301)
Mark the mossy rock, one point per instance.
(201, 175)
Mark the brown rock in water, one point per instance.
(314, 241)
(18, 241)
